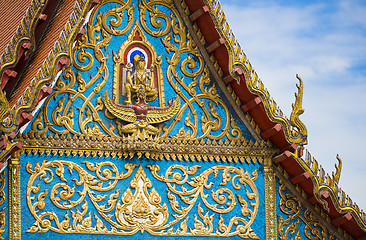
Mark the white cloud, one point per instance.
(326, 46)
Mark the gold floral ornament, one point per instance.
(183, 194)
(220, 201)
(141, 210)
(65, 197)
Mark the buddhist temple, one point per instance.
(144, 119)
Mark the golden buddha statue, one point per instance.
(140, 79)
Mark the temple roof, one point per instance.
(36, 54)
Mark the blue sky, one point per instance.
(325, 43)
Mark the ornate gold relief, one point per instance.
(140, 207)
(177, 175)
(142, 210)
(288, 228)
(64, 197)
(123, 60)
(134, 80)
(141, 116)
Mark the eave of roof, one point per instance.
(41, 42)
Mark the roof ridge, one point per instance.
(23, 34)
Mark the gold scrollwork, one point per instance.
(65, 197)
(141, 207)
(289, 228)
(156, 16)
(220, 203)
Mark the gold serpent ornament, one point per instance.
(141, 207)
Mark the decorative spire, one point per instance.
(4, 106)
(336, 176)
(298, 136)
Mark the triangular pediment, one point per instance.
(138, 74)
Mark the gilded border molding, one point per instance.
(14, 197)
(154, 148)
(11, 55)
(217, 72)
(270, 200)
(2, 200)
(24, 34)
(321, 180)
(294, 129)
(314, 210)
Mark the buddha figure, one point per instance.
(140, 79)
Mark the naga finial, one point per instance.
(4, 105)
(298, 136)
(336, 176)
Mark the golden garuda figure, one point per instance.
(140, 115)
